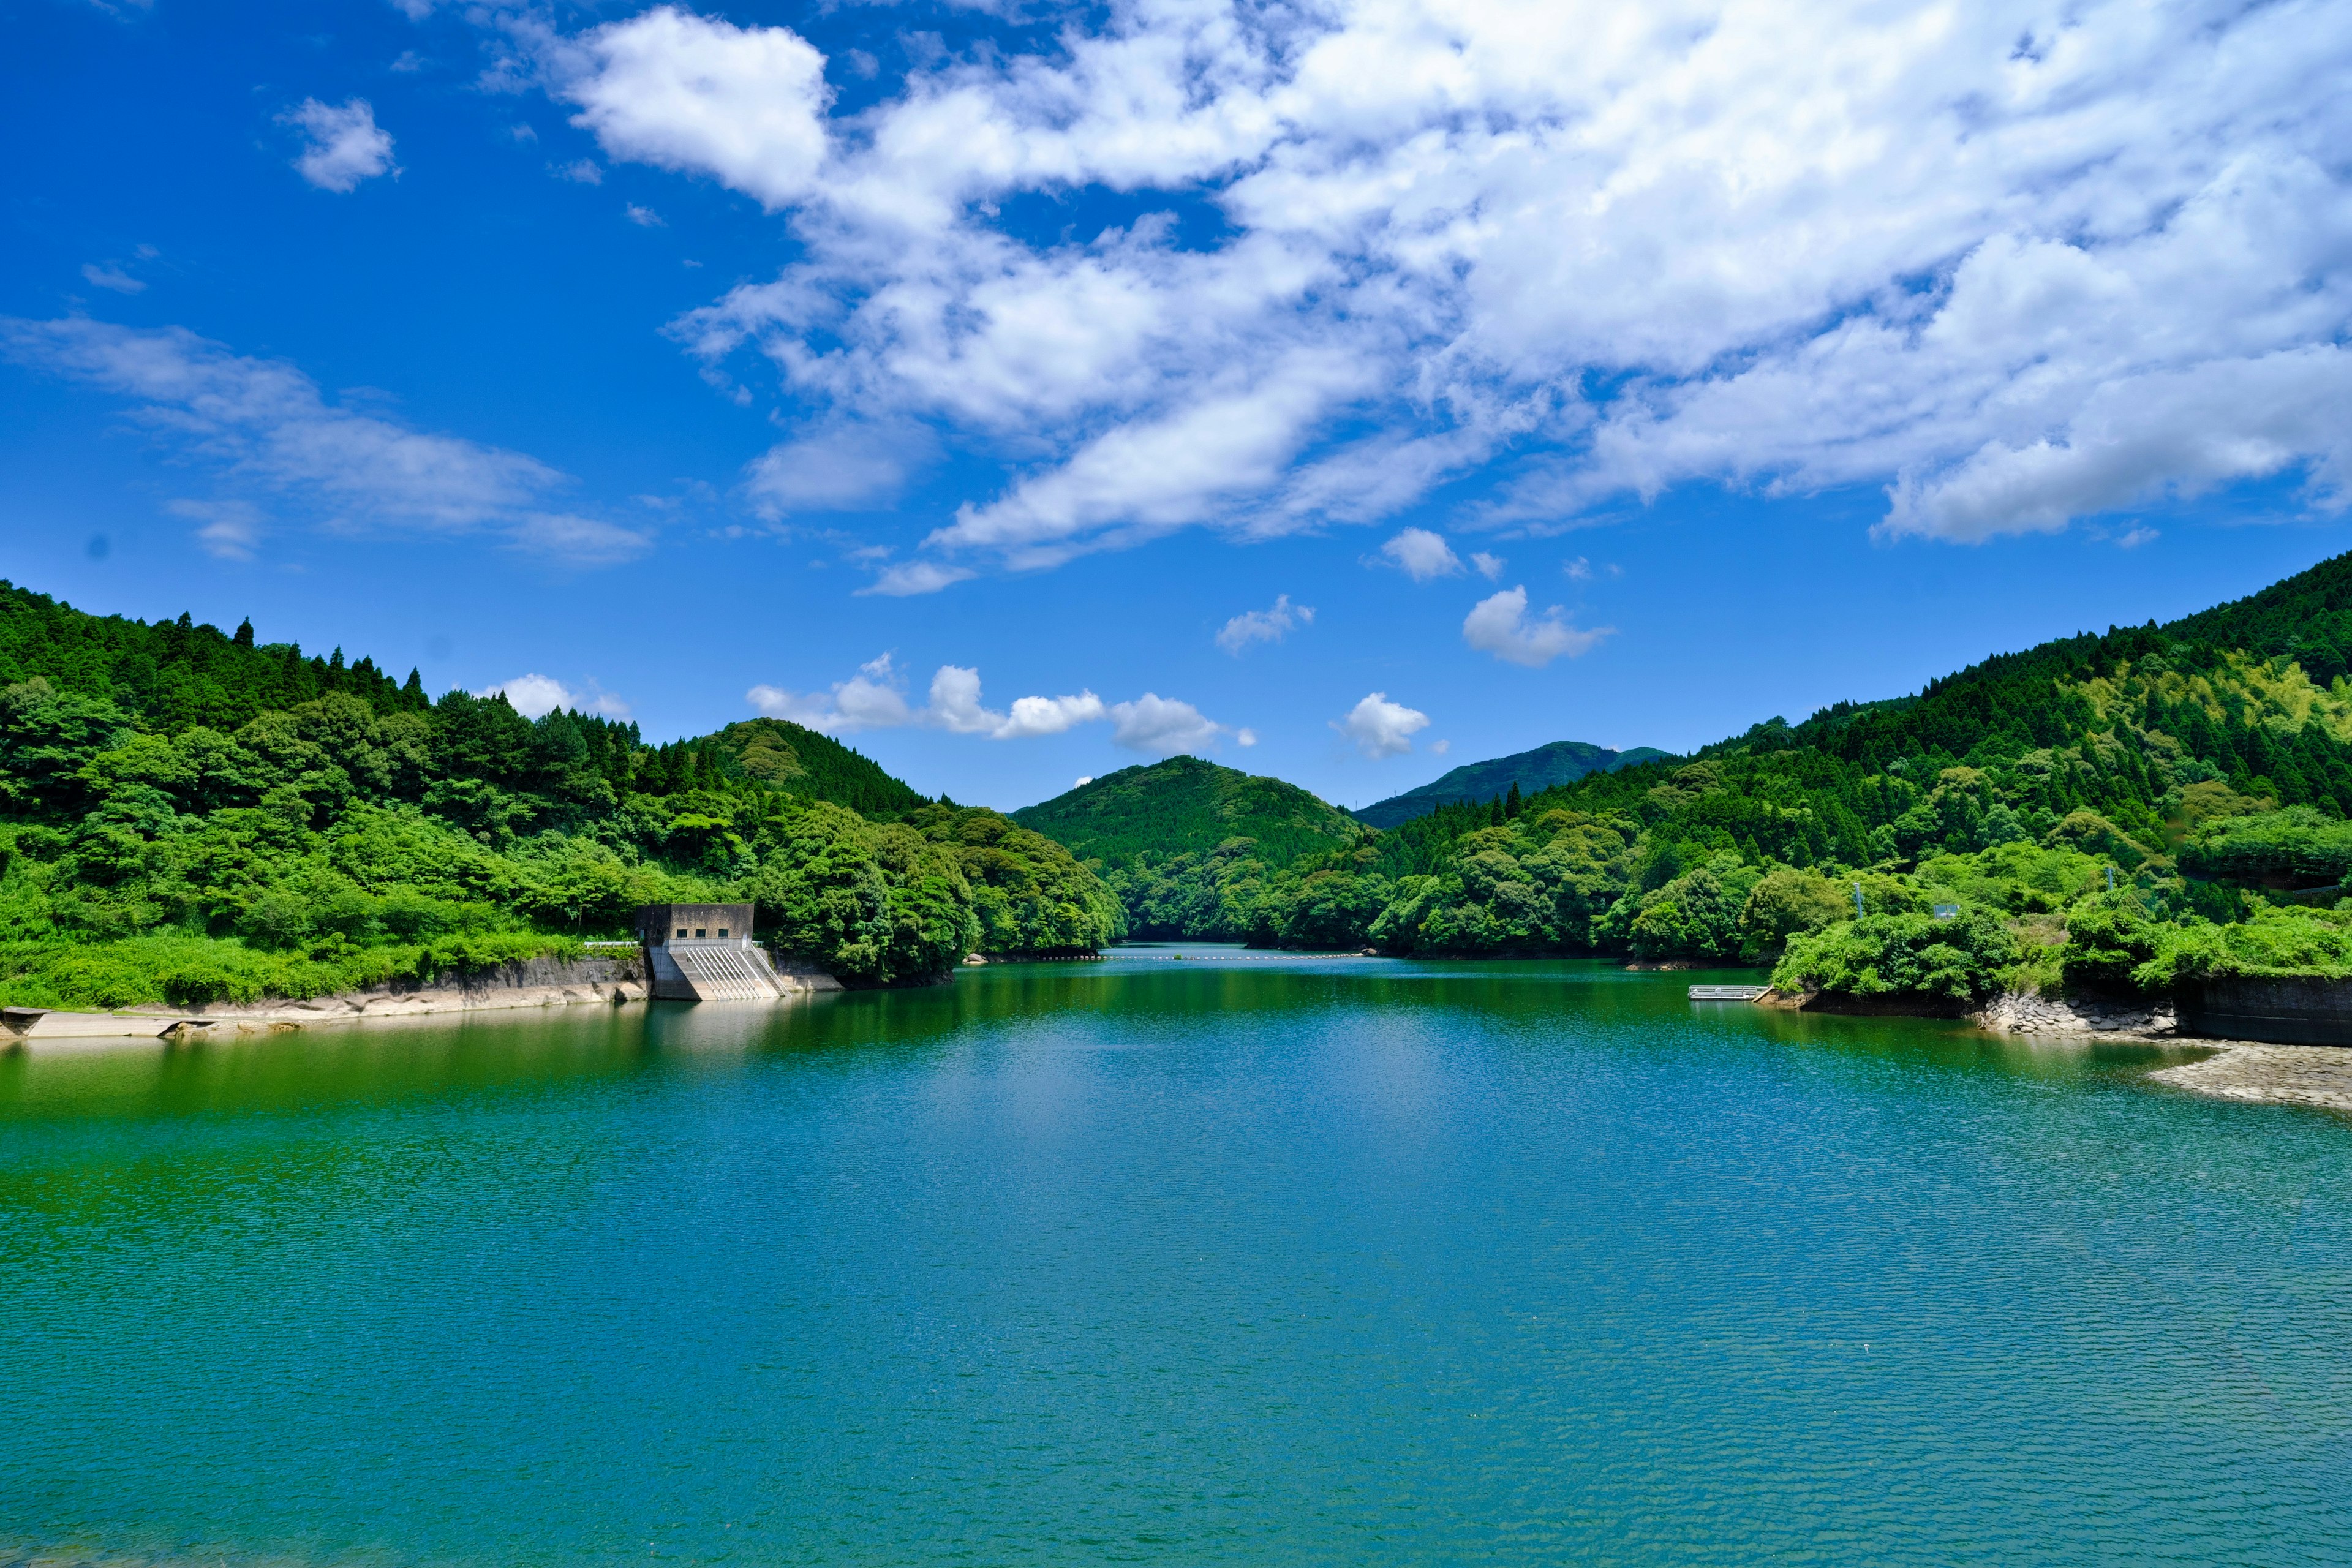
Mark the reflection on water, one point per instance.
(1167, 1258)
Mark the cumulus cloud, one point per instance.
(2015, 266)
(534, 694)
(870, 699)
(698, 94)
(874, 699)
(1490, 567)
(264, 423)
(1162, 727)
(1381, 727)
(1269, 625)
(345, 146)
(1500, 626)
(1421, 555)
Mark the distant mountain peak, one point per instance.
(1188, 805)
(1557, 763)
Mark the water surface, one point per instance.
(1224, 1259)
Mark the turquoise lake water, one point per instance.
(1234, 1258)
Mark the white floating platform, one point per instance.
(1727, 993)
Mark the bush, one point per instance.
(2108, 936)
(1889, 955)
(2269, 944)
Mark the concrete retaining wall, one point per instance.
(2276, 1012)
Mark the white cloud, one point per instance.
(644, 218)
(232, 530)
(345, 144)
(870, 699)
(1269, 625)
(1439, 748)
(1490, 567)
(1499, 624)
(1048, 715)
(836, 466)
(1381, 727)
(111, 275)
(1246, 737)
(264, 423)
(2015, 265)
(916, 577)
(580, 170)
(1578, 570)
(1083, 780)
(1421, 555)
(699, 94)
(875, 699)
(1162, 726)
(534, 694)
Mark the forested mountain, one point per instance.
(2201, 762)
(186, 814)
(1187, 805)
(1175, 839)
(1560, 762)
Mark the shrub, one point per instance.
(1906, 954)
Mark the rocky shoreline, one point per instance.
(2244, 1070)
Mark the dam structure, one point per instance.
(704, 952)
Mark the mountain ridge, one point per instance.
(1541, 767)
(1186, 805)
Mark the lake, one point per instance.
(1224, 1257)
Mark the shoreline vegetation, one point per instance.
(193, 819)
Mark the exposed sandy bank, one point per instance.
(2271, 1075)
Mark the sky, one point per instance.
(1341, 391)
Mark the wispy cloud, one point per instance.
(1269, 625)
(111, 275)
(262, 423)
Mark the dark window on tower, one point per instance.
(722, 930)
(681, 931)
(698, 932)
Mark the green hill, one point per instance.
(1187, 805)
(187, 815)
(2204, 768)
(1560, 762)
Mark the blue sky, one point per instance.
(1022, 391)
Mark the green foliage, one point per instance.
(1185, 805)
(2299, 846)
(175, 805)
(181, 970)
(2270, 942)
(1954, 961)
(2108, 937)
(2200, 779)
